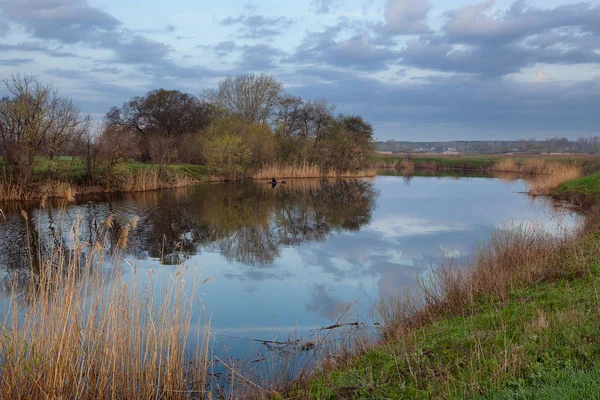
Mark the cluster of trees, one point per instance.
(552, 145)
(245, 123)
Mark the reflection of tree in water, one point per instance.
(246, 222)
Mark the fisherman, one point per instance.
(274, 181)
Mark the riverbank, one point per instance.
(68, 178)
(522, 321)
(480, 163)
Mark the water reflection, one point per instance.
(283, 259)
(245, 222)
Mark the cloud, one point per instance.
(474, 24)
(465, 107)
(4, 26)
(406, 17)
(493, 45)
(53, 51)
(74, 22)
(541, 76)
(15, 62)
(67, 21)
(359, 51)
(258, 26)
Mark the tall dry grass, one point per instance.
(544, 176)
(86, 333)
(307, 170)
(151, 179)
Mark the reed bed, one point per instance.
(80, 331)
(544, 176)
(307, 170)
(151, 179)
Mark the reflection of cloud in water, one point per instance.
(405, 225)
(322, 302)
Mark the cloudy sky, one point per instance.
(417, 69)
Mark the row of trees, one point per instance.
(247, 122)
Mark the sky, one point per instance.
(416, 69)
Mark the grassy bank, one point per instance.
(67, 177)
(481, 163)
(521, 321)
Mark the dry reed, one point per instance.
(87, 334)
(307, 170)
(543, 176)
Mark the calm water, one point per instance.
(281, 260)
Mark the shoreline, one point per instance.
(504, 289)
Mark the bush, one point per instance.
(227, 155)
(117, 177)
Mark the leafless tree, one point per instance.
(250, 97)
(35, 119)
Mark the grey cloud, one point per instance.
(139, 50)
(76, 21)
(15, 62)
(107, 70)
(68, 21)
(405, 17)
(436, 54)
(359, 51)
(466, 107)
(258, 26)
(67, 73)
(259, 57)
(472, 25)
(37, 47)
(474, 42)
(4, 26)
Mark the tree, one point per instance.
(160, 118)
(347, 145)
(249, 97)
(34, 119)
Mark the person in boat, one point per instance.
(274, 181)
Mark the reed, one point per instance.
(86, 333)
(307, 170)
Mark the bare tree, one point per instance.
(34, 118)
(287, 119)
(250, 97)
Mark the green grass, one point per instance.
(458, 162)
(74, 169)
(545, 340)
(587, 186)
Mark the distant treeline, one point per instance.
(532, 146)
